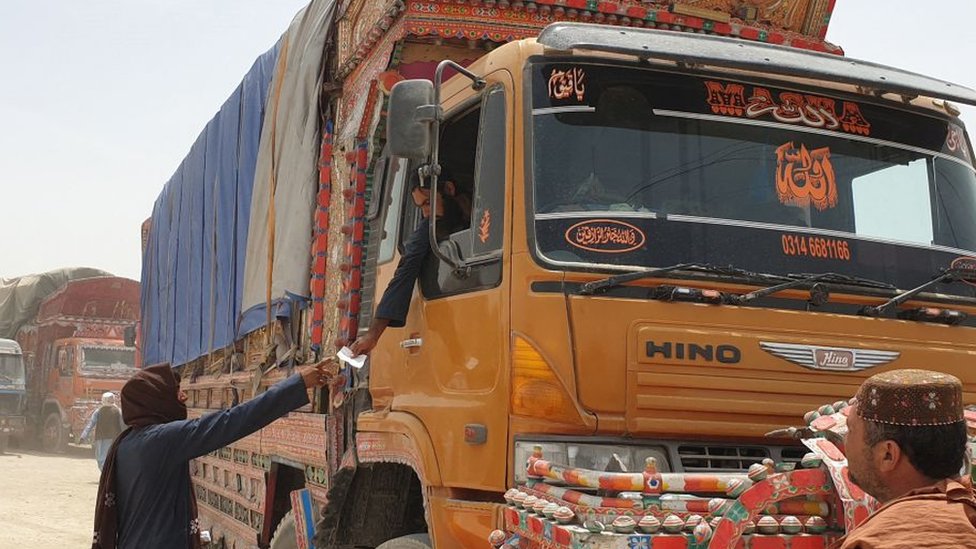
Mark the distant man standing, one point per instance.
(107, 424)
(906, 446)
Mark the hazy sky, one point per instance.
(101, 100)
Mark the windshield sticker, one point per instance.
(956, 143)
(805, 177)
(484, 227)
(605, 236)
(568, 83)
(789, 108)
(796, 245)
(967, 268)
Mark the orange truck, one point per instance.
(74, 350)
(691, 224)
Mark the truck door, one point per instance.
(455, 339)
(65, 374)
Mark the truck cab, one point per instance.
(13, 392)
(84, 369)
(676, 244)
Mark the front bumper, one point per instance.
(12, 425)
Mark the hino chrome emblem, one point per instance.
(834, 359)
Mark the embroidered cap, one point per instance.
(911, 397)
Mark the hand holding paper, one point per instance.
(345, 355)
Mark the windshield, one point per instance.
(11, 370)
(642, 168)
(113, 360)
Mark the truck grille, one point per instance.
(10, 405)
(699, 458)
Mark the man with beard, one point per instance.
(906, 446)
(453, 213)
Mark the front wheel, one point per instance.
(413, 541)
(53, 437)
(284, 535)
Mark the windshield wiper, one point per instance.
(838, 278)
(5, 377)
(952, 274)
(819, 294)
(595, 286)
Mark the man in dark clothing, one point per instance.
(106, 424)
(145, 497)
(453, 213)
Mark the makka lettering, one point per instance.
(788, 107)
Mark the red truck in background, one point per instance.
(75, 348)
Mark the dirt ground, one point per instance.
(47, 501)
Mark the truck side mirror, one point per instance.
(411, 113)
(129, 336)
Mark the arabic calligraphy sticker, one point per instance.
(605, 236)
(956, 143)
(565, 84)
(805, 177)
(967, 266)
(484, 227)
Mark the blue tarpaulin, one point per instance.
(193, 266)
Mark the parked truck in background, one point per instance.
(12, 392)
(690, 223)
(74, 350)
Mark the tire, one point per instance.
(53, 437)
(413, 541)
(284, 535)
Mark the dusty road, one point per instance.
(47, 501)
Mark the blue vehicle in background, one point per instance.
(13, 392)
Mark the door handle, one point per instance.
(412, 343)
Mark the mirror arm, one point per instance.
(433, 169)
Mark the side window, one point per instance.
(488, 210)
(473, 164)
(396, 177)
(65, 361)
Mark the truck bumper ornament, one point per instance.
(834, 359)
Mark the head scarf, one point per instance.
(150, 397)
(108, 399)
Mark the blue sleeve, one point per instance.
(89, 425)
(395, 303)
(197, 437)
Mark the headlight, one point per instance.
(590, 456)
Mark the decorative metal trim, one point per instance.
(831, 359)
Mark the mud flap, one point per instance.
(338, 489)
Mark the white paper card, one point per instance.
(345, 355)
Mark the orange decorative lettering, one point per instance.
(788, 108)
(484, 227)
(955, 141)
(853, 121)
(726, 98)
(805, 177)
(565, 84)
(606, 236)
